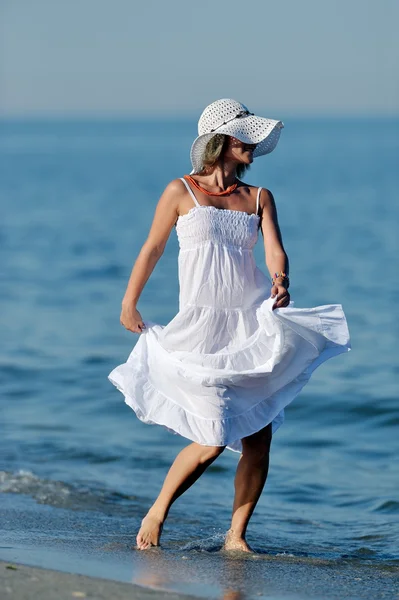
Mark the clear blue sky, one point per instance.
(175, 56)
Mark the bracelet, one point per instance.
(284, 276)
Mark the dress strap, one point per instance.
(257, 200)
(190, 191)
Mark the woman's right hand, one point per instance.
(131, 319)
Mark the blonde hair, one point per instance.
(214, 150)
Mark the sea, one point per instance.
(78, 470)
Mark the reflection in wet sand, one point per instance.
(204, 573)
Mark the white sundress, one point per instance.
(227, 364)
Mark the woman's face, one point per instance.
(239, 151)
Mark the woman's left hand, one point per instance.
(282, 296)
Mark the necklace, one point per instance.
(226, 192)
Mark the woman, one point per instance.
(222, 370)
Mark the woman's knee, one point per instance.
(258, 444)
(211, 452)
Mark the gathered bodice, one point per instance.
(208, 224)
(216, 263)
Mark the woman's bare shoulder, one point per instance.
(171, 200)
(176, 186)
(172, 194)
(266, 196)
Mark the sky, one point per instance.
(173, 57)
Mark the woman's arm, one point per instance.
(164, 219)
(275, 254)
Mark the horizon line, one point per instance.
(146, 115)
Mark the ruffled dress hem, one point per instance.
(162, 410)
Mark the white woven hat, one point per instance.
(233, 118)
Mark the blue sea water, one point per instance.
(79, 470)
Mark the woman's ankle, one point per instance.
(237, 533)
(157, 512)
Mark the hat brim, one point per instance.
(265, 133)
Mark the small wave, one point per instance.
(370, 537)
(16, 372)
(63, 495)
(95, 359)
(101, 272)
(364, 551)
(389, 506)
(216, 469)
(209, 544)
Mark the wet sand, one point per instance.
(21, 582)
(287, 580)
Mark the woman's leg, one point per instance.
(187, 467)
(251, 475)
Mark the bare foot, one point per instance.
(150, 532)
(234, 541)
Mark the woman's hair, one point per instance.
(214, 150)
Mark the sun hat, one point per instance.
(230, 117)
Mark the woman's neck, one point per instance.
(222, 176)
